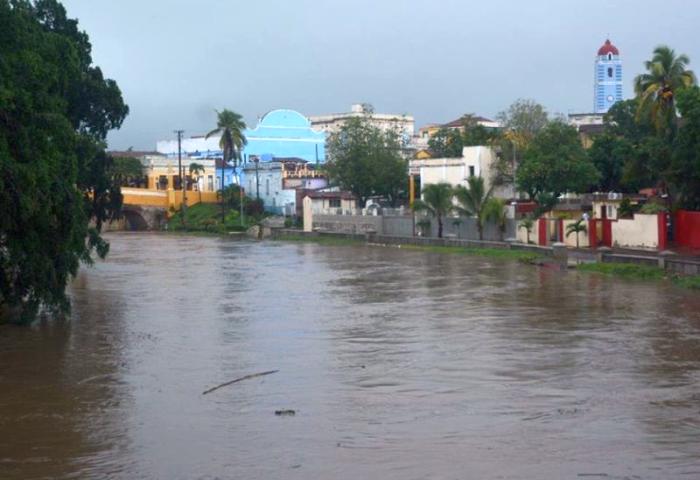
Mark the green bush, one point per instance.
(652, 208)
(253, 207)
(206, 217)
(629, 270)
(626, 209)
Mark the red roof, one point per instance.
(608, 47)
(459, 123)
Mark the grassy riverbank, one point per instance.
(640, 272)
(323, 240)
(206, 218)
(494, 253)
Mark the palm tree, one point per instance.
(437, 201)
(494, 211)
(577, 227)
(472, 201)
(657, 89)
(196, 169)
(528, 224)
(230, 125)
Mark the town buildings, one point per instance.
(280, 133)
(431, 129)
(331, 123)
(160, 172)
(475, 161)
(278, 181)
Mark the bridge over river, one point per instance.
(148, 209)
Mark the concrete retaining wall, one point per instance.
(635, 259)
(683, 266)
(401, 226)
(461, 228)
(347, 223)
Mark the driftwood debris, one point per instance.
(288, 412)
(247, 377)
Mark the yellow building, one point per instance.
(160, 184)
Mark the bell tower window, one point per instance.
(610, 72)
(609, 56)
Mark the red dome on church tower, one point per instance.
(608, 47)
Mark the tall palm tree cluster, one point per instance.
(657, 89)
(441, 200)
(230, 126)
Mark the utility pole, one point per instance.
(179, 172)
(240, 189)
(257, 178)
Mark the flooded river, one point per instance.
(400, 364)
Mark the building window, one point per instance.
(267, 186)
(609, 56)
(610, 72)
(471, 170)
(334, 203)
(210, 183)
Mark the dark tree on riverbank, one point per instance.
(56, 186)
(367, 161)
(555, 163)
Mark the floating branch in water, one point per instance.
(247, 377)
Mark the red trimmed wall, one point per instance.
(687, 229)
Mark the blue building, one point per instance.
(285, 134)
(608, 78)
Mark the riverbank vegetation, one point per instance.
(324, 240)
(57, 186)
(494, 253)
(641, 272)
(207, 217)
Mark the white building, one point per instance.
(579, 119)
(331, 123)
(193, 146)
(277, 182)
(475, 161)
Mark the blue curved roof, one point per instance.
(285, 133)
(287, 118)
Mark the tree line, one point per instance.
(650, 141)
(57, 185)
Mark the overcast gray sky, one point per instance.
(177, 60)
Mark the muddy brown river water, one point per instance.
(399, 364)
